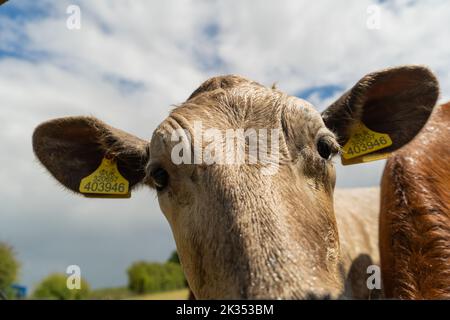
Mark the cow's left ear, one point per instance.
(72, 148)
(396, 101)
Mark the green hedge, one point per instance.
(145, 277)
(9, 267)
(54, 287)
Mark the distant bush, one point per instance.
(144, 277)
(55, 287)
(9, 267)
(174, 257)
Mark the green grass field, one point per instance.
(181, 294)
(122, 293)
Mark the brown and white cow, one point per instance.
(241, 233)
(415, 215)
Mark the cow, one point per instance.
(415, 215)
(272, 229)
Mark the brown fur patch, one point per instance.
(415, 215)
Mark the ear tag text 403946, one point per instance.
(105, 182)
(362, 143)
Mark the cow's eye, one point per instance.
(326, 148)
(160, 178)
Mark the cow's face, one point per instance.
(259, 221)
(244, 175)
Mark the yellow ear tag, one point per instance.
(105, 182)
(361, 143)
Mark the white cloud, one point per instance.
(166, 49)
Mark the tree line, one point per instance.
(143, 277)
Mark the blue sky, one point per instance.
(132, 60)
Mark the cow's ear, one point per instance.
(396, 101)
(72, 148)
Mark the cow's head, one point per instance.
(261, 227)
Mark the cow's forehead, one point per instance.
(243, 104)
(235, 103)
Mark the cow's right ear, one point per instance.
(395, 101)
(72, 148)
